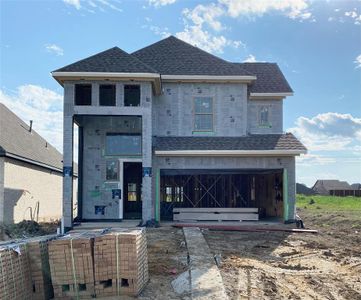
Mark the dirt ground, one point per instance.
(275, 265)
(269, 265)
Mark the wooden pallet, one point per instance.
(215, 214)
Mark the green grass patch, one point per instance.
(328, 203)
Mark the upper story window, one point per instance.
(264, 116)
(107, 95)
(131, 95)
(203, 114)
(83, 94)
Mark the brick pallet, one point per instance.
(15, 280)
(42, 288)
(71, 266)
(24, 269)
(121, 262)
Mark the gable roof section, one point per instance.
(171, 56)
(18, 142)
(113, 60)
(256, 143)
(330, 184)
(270, 78)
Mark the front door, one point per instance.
(132, 185)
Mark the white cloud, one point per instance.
(291, 8)
(328, 131)
(75, 3)
(354, 15)
(197, 36)
(43, 106)
(90, 5)
(250, 58)
(202, 14)
(52, 48)
(163, 32)
(158, 3)
(358, 61)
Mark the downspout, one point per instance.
(285, 195)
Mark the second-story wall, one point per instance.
(274, 116)
(174, 110)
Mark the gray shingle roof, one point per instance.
(16, 139)
(270, 78)
(113, 60)
(331, 184)
(252, 142)
(172, 56)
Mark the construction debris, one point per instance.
(251, 228)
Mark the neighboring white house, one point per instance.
(30, 173)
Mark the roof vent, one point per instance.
(31, 125)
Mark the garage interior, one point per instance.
(202, 189)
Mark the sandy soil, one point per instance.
(269, 265)
(167, 258)
(274, 265)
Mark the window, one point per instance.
(264, 116)
(107, 95)
(131, 95)
(112, 170)
(123, 144)
(132, 192)
(83, 94)
(203, 114)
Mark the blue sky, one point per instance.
(317, 44)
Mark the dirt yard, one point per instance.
(274, 265)
(270, 265)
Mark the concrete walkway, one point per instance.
(206, 280)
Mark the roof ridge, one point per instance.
(104, 52)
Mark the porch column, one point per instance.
(147, 203)
(289, 184)
(68, 172)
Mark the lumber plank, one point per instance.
(216, 209)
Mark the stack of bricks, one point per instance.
(71, 266)
(38, 255)
(121, 262)
(15, 278)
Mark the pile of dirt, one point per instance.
(26, 229)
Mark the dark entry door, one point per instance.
(132, 190)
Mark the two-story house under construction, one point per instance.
(172, 127)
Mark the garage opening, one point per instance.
(221, 191)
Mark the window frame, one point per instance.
(259, 111)
(75, 93)
(195, 114)
(124, 154)
(106, 169)
(140, 94)
(115, 94)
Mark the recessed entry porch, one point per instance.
(223, 195)
(110, 168)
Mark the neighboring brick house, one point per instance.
(335, 187)
(172, 126)
(30, 173)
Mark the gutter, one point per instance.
(33, 162)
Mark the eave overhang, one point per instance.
(263, 96)
(229, 152)
(154, 78)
